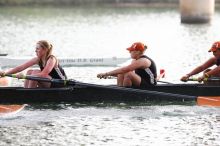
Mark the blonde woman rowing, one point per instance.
(48, 63)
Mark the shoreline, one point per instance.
(117, 3)
(86, 3)
(95, 3)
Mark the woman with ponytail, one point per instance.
(49, 67)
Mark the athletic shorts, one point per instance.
(144, 84)
(55, 85)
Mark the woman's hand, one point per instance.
(20, 75)
(2, 73)
(185, 78)
(102, 75)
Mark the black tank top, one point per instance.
(148, 74)
(56, 73)
(218, 62)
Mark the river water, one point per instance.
(105, 32)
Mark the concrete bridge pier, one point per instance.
(196, 11)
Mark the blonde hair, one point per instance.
(46, 45)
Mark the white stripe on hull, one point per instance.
(6, 61)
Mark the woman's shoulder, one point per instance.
(52, 57)
(145, 58)
(211, 61)
(142, 62)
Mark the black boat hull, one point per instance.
(188, 89)
(101, 93)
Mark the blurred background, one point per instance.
(105, 28)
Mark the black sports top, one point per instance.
(218, 62)
(57, 72)
(149, 74)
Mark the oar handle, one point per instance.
(205, 79)
(162, 74)
(193, 79)
(34, 78)
(41, 79)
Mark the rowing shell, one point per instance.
(86, 92)
(7, 61)
(10, 109)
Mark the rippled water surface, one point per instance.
(106, 32)
(112, 125)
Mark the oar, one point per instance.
(208, 100)
(162, 75)
(205, 79)
(41, 79)
(10, 109)
(200, 99)
(73, 83)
